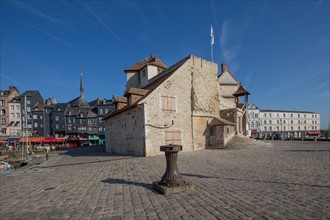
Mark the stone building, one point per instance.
(181, 104)
(9, 112)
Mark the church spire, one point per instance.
(81, 85)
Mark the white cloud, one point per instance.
(100, 21)
(315, 8)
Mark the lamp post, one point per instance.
(281, 129)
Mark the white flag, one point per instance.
(212, 36)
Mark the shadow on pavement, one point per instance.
(147, 186)
(84, 151)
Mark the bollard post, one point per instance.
(172, 181)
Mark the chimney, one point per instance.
(12, 89)
(223, 67)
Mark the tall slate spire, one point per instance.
(81, 85)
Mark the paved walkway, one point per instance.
(290, 180)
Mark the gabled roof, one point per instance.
(31, 93)
(79, 101)
(155, 82)
(153, 61)
(241, 91)
(229, 73)
(136, 91)
(61, 106)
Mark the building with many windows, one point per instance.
(282, 123)
(32, 124)
(83, 120)
(28, 114)
(14, 127)
(9, 112)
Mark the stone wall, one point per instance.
(125, 132)
(177, 86)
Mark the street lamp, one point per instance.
(281, 129)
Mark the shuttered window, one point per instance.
(168, 103)
(173, 137)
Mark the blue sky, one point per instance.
(279, 50)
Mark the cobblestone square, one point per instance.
(290, 180)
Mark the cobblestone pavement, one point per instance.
(290, 180)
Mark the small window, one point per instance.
(168, 103)
(173, 137)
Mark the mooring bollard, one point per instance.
(172, 181)
(172, 176)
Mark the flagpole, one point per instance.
(212, 42)
(212, 51)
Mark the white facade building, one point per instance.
(282, 123)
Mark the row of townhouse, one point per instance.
(28, 114)
(283, 123)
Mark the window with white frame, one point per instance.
(168, 103)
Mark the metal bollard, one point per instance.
(171, 182)
(172, 176)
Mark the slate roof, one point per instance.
(241, 91)
(31, 93)
(79, 101)
(153, 61)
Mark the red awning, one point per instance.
(54, 140)
(32, 139)
(313, 132)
